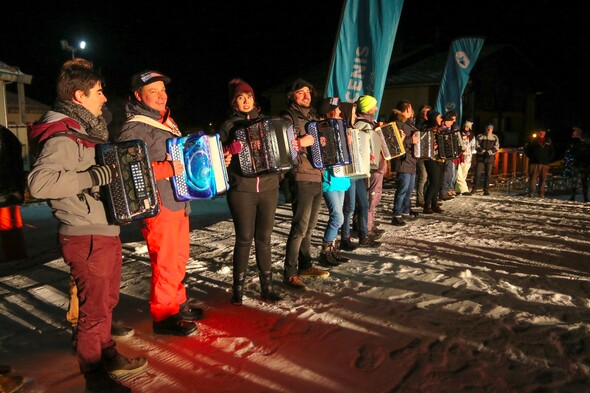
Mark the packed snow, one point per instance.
(489, 296)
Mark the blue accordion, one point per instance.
(330, 145)
(205, 175)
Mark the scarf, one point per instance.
(367, 118)
(93, 125)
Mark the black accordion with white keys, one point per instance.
(330, 146)
(424, 149)
(132, 195)
(205, 175)
(390, 138)
(449, 145)
(267, 147)
(360, 149)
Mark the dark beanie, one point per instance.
(299, 84)
(432, 115)
(237, 87)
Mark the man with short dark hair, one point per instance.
(65, 173)
(487, 145)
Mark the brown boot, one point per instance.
(327, 256)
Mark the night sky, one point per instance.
(202, 45)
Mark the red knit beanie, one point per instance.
(237, 87)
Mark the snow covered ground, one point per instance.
(490, 296)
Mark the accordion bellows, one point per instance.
(392, 144)
(205, 175)
(360, 148)
(132, 195)
(330, 145)
(266, 147)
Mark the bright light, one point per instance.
(67, 47)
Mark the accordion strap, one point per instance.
(78, 135)
(149, 121)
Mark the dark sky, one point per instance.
(201, 45)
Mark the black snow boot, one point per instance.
(266, 291)
(238, 288)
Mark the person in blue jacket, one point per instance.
(334, 189)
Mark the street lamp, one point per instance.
(66, 46)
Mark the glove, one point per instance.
(490, 153)
(101, 175)
(233, 148)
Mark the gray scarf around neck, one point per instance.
(94, 126)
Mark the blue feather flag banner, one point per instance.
(363, 49)
(461, 60)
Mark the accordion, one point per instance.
(266, 147)
(360, 149)
(330, 146)
(449, 145)
(132, 195)
(424, 149)
(390, 139)
(204, 173)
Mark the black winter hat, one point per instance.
(298, 84)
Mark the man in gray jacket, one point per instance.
(65, 173)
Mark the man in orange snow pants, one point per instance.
(167, 235)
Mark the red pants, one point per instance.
(168, 242)
(95, 263)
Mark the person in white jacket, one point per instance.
(468, 145)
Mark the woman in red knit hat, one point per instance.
(252, 200)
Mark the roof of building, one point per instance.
(31, 106)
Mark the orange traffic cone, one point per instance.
(11, 232)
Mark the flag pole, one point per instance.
(334, 48)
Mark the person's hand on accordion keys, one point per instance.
(177, 166)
